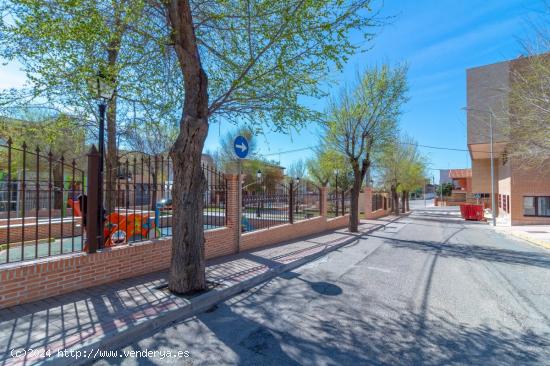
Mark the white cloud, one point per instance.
(458, 44)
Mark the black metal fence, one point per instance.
(306, 201)
(339, 203)
(265, 205)
(39, 214)
(43, 201)
(379, 202)
(270, 203)
(138, 199)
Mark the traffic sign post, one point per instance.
(241, 147)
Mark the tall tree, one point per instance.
(527, 124)
(362, 118)
(402, 169)
(297, 169)
(322, 167)
(62, 45)
(245, 60)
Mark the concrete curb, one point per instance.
(129, 334)
(539, 243)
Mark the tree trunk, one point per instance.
(407, 200)
(187, 269)
(395, 200)
(354, 213)
(111, 160)
(403, 202)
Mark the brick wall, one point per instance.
(34, 280)
(260, 238)
(45, 230)
(369, 214)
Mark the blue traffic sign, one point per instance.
(241, 147)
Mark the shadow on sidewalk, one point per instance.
(73, 318)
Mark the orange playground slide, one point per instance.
(75, 205)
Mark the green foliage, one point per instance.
(61, 135)
(262, 56)
(363, 118)
(326, 164)
(271, 175)
(63, 44)
(447, 189)
(401, 166)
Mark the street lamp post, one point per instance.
(297, 187)
(336, 189)
(493, 208)
(258, 178)
(104, 91)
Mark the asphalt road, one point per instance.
(428, 290)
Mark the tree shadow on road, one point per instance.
(472, 251)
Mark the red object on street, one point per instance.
(471, 212)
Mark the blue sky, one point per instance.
(439, 39)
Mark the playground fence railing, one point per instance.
(37, 214)
(45, 201)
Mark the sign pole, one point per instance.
(240, 146)
(240, 205)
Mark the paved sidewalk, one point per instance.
(100, 316)
(535, 234)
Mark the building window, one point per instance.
(536, 206)
(508, 203)
(543, 206)
(529, 208)
(499, 201)
(504, 203)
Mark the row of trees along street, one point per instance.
(178, 66)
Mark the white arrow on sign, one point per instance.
(241, 146)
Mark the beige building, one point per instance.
(522, 195)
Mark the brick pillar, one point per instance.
(232, 208)
(323, 201)
(368, 201)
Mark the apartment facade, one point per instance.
(522, 195)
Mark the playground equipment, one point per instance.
(75, 205)
(163, 207)
(246, 225)
(119, 228)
